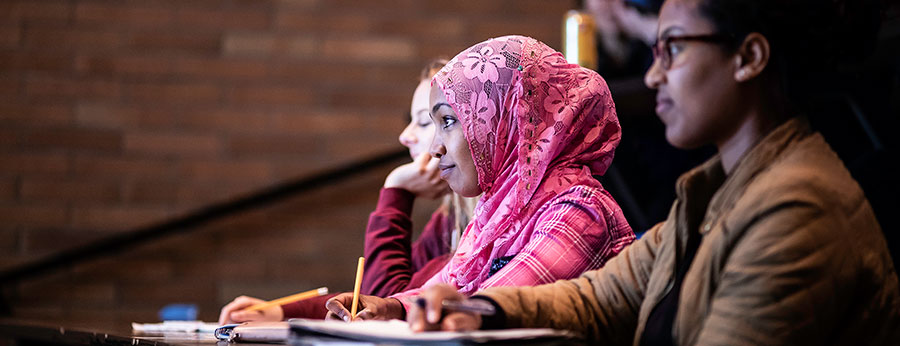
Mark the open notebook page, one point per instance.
(396, 330)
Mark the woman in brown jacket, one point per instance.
(769, 242)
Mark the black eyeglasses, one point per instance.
(662, 49)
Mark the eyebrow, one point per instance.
(668, 32)
(424, 114)
(438, 106)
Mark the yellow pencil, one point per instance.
(321, 291)
(359, 275)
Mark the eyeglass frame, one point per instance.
(660, 48)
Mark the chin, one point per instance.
(680, 141)
(468, 194)
(469, 191)
(459, 190)
(676, 142)
(676, 136)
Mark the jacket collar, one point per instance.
(705, 190)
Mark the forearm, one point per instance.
(312, 308)
(387, 245)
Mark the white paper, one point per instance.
(399, 330)
(175, 326)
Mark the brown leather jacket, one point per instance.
(791, 255)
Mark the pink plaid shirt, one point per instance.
(578, 230)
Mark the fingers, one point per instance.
(433, 310)
(239, 303)
(416, 317)
(430, 166)
(366, 314)
(428, 312)
(460, 322)
(332, 316)
(421, 177)
(336, 307)
(423, 161)
(433, 173)
(434, 296)
(368, 307)
(377, 308)
(244, 316)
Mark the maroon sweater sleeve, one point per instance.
(391, 259)
(393, 265)
(313, 308)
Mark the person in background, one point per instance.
(770, 242)
(394, 262)
(519, 124)
(625, 31)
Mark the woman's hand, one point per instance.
(426, 314)
(421, 177)
(371, 308)
(232, 313)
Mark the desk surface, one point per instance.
(20, 332)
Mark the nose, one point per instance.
(655, 75)
(408, 136)
(437, 149)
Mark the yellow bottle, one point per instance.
(579, 42)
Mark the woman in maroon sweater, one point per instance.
(394, 263)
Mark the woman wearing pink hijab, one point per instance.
(519, 124)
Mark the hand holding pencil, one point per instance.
(372, 307)
(244, 308)
(234, 312)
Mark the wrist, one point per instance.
(396, 309)
(495, 321)
(390, 182)
(275, 314)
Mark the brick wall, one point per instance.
(116, 114)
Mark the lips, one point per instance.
(445, 170)
(663, 104)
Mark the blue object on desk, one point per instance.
(226, 332)
(178, 312)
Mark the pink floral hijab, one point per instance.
(536, 126)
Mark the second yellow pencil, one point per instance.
(359, 276)
(321, 291)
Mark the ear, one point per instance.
(752, 57)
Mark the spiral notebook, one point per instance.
(254, 332)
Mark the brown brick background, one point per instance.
(119, 114)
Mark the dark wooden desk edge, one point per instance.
(39, 332)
